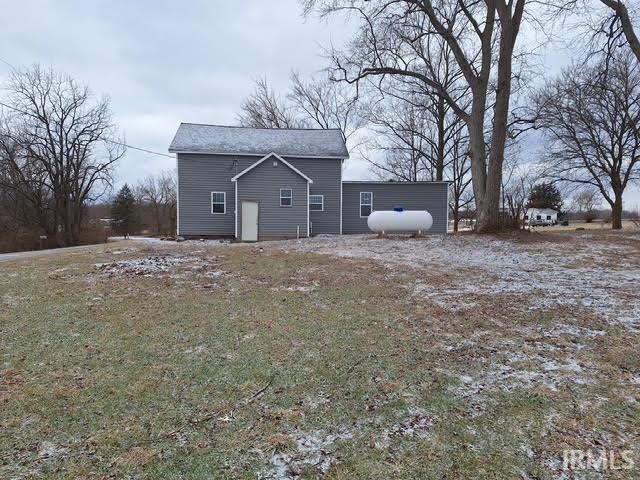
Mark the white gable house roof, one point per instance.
(267, 157)
(226, 140)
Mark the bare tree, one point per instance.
(401, 141)
(518, 181)
(265, 109)
(591, 115)
(67, 138)
(394, 40)
(158, 194)
(326, 104)
(459, 174)
(417, 131)
(603, 25)
(308, 104)
(586, 200)
(27, 201)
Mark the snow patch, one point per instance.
(200, 349)
(49, 450)
(417, 424)
(313, 454)
(510, 375)
(147, 266)
(297, 288)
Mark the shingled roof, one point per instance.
(225, 140)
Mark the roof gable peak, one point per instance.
(267, 157)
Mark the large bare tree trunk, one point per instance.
(477, 152)
(616, 212)
(440, 154)
(489, 210)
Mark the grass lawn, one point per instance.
(326, 358)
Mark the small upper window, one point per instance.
(218, 202)
(366, 203)
(548, 217)
(316, 203)
(538, 217)
(286, 197)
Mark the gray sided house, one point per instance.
(255, 184)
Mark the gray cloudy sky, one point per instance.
(164, 62)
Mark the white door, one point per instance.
(249, 221)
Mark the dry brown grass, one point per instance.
(410, 359)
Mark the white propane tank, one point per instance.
(389, 221)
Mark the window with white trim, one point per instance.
(316, 203)
(286, 197)
(218, 203)
(366, 203)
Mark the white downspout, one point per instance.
(446, 230)
(177, 197)
(341, 167)
(236, 207)
(308, 224)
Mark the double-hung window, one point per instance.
(316, 203)
(286, 197)
(366, 203)
(218, 203)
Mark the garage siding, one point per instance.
(430, 196)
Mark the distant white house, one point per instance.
(541, 217)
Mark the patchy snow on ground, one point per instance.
(313, 454)
(11, 301)
(522, 371)
(49, 450)
(416, 424)
(585, 272)
(296, 288)
(176, 266)
(146, 266)
(593, 278)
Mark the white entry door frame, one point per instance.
(249, 221)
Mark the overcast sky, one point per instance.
(165, 62)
